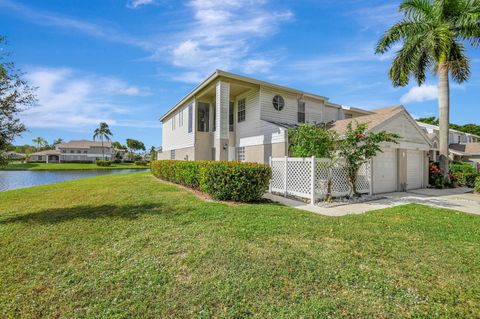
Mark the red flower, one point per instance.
(360, 135)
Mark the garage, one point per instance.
(414, 169)
(385, 171)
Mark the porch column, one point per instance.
(222, 102)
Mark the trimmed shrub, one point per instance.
(103, 163)
(244, 182)
(185, 173)
(477, 185)
(141, 163)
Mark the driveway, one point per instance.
(460, 199)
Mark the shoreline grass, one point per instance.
(67, 166)
(129, 245)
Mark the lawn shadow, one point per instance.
(92, 212)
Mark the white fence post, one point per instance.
(286, 174)
(370, 175)
(312, 177)
(271, 180)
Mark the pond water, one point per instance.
(20, 179)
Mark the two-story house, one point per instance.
(75, 151)
(231, 117)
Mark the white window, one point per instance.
(241, 110)
(241, 154)
(172, 154)
(301, 112)
(180, 119)
(173, 121)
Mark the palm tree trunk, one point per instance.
(103, 151)
(444, 116)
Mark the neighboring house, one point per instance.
(232, 117)
(462, 146)
(75, 151)
(15, 156)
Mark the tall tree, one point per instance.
(153, 153)
(57, 141)
(15, 95)
(39, 142)
(434, 34)
(134, 145)
(102, 132)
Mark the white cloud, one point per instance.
(223, 35)
(71, 99)
(133, 4)
(420, 94)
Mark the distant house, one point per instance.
(76, 151)
(15, 156)
(462, 146)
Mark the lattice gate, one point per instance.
(309, 177)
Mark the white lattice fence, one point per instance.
(293, 176)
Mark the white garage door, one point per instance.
(385, 171)
(414, 169)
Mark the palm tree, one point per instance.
(102, 132)
(57, 141)
(39, 141)
(434, 33)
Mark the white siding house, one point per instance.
(232, 114)
(238, 118)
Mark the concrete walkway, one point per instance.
(460, 199)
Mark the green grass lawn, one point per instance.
(65, 166)
(127, 246)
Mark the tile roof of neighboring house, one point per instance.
(371, 120)
(47, 152)
(84, 144)
(467, 149)
(15, 153)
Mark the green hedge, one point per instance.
(462, 168)
(141, 163)
(103, 163)
(243, 182)
(477, 185)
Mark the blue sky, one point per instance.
(127, 62)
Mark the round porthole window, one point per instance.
(278, 102)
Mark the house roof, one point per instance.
(220, 73)
(435, 127)
(47, 152)
(466, 149)
(84, 144)
(373, 120)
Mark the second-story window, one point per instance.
(180, 118)
(241, 111)
(301, 112)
